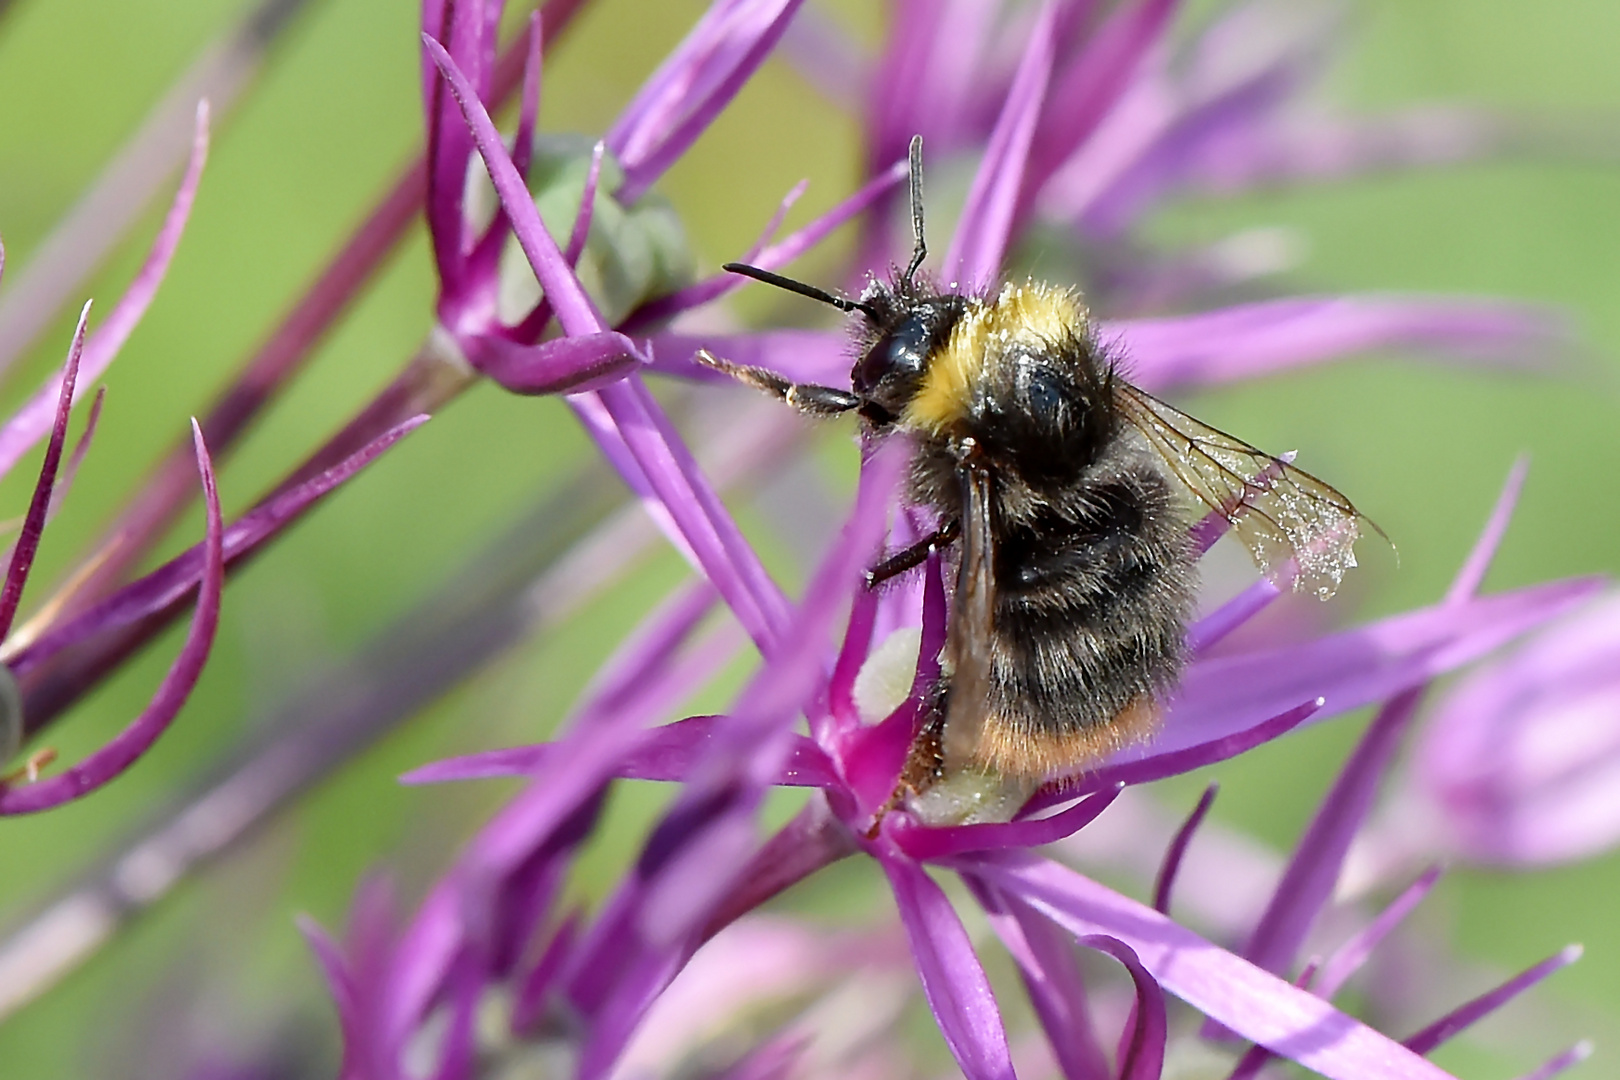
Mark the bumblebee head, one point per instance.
(905, 333)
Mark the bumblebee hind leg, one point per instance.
(806, 397)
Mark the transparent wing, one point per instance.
(972, 619)
(1295, 526)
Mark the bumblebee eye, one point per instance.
(897, 359)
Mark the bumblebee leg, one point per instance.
(806, 397)
(915, 555)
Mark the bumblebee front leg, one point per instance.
(806, 397)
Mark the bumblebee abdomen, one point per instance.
(1090, 622)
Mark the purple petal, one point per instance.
(1208, 631)
(22, 554)
(1568, 1059)
(1095, 81)
(567, 365)
(693, 86)
(1172, 762)
(1219, 696)
(775, 1059)
(1307, 883)
(923, 843)
(1141, 1044)
(1051, 974)
(632, 429)
(985, 227)
(1472, 574)
(1228, 989)
(340, 984)
(33, 420)
(668, 753)
(128, 746)
(1348, 957)
(952, 978)
(172, 581)
(1273, 335)
(1462, 1017)
(1166, 879)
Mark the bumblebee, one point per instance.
(1067, 494)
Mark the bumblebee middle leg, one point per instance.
(908, 558)
(806, 397)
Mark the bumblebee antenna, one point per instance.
(920, 251)
(839, 302)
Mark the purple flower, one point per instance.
(1516, 766)
(495, 925)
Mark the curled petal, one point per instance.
(567, 365)
(129, 745)
(33, 420)
(1141, 1044)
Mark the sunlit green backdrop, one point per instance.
(1423, 449)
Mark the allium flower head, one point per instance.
(858, 665)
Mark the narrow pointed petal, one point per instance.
(1561, 1062)
(1166, 879)
(952, 978)
(1225, 987)
(694, 85)
(22, 554)
(33, 420)
(1172, 762)
(923, 843)
(1462, 1017)
(1478, 563)
(1347, 959)
(773, 256)
(1307, 884)
(131, 744)
(980, 245)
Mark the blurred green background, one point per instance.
(335, 114)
